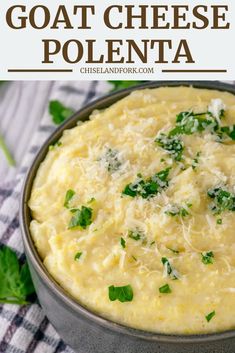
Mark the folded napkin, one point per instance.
(25, 329)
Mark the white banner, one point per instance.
(107, 40)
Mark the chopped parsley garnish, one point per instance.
(172, 144)
(170, 271)
(81, 218)
(77, 256)
(223, 200)
(176, 210)
(57, 144)
(219, 221)
(196, 161)
(210, 316)
(148, 188)
(165, 289)
(134, 258)
(152, 243)
(15, 280)
(123, 294)
(227, 131)
(135, 234)
(174, 251)
(111, 160)
(123, 243)
(207, 258)
(68, 197)
(59, 112)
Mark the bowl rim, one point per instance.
(30, 249)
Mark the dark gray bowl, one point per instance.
(83, 330)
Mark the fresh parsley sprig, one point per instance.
(59, 112)
(15, 280)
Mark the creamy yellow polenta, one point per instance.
(129, 236)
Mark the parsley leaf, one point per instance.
(59, 112)
(196, 161)
(176, 210)
(117, 85)
(123, 294)
(165, 289)
(123, 243)
(227, 131)
(15, 280)
(6, 152)
(210, 316)
(147, 188)
(222, 200)
(68, 197)
(172, 144)
(170, 271)
(81, 218)
(135, 234)
(207, 258)
(77, 256)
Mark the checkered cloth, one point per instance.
(25, 328)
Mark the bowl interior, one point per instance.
(25, 215)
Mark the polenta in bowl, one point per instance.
(133, 211)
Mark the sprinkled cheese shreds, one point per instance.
(133, 213)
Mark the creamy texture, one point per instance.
(129, 128)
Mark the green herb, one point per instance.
(111, 160)
(152, 243)
(170, 271)
(174, 251)
(123, 294)
(77, 256)
(175, 210)
(59, 112)
(148, 188)
(134, 258)
(196, 161)
(135, 234)
(123, 243)
(165, 289)
(207, 258)
(57, 144)
(219, 221)
(6, 152)
(173, 145)
(68, 197)
(187, 123)
(210, 316)
(226, 131)
(81, 218)
(223, 200)
(15, 280)
(117, 85)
